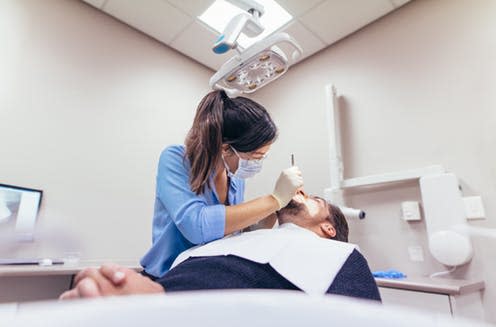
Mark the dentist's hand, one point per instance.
(287, 185)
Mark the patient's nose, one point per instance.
(302, 192)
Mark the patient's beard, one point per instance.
(289, 212)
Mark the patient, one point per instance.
(279, 258)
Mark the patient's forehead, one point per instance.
(323, 209)
(305, 207)
(314, 206)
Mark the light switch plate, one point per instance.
(474, 209)
(410, 210)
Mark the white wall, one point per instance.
(86, 106)
(418, 89)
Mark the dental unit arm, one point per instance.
(334, 194)
(247, 23)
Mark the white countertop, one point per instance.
(61, 269)
(433, 285)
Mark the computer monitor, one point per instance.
(19, 207)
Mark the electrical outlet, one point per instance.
(474, 209)
(416, 253)
(410, 210)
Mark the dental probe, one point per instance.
(292, 159)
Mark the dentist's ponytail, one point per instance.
(204, 140)
(239, 122)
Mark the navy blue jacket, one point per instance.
(230, 272)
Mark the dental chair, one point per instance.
(224, 308)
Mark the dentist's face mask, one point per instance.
(246, 168)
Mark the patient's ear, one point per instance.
(328, 230)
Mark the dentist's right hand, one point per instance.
(287, 185)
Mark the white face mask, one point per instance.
(246, 168)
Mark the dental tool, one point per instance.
(292, 160)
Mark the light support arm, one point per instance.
(247, 23)
(240, 23)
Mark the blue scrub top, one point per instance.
(182, 218)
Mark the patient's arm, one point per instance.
(110, 280)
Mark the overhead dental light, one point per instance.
(260, 63)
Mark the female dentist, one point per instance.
(200, 186)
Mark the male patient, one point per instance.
(307, 252)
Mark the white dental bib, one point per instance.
(308, 261)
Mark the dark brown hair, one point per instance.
(239, 122)
(339, 222)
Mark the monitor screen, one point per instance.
(19, 208)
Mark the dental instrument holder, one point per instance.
(446, 220)
(444, 209)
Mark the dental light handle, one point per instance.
(286, 38)
(274, 40)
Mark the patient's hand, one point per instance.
(110, 280)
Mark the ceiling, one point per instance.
(316, 24)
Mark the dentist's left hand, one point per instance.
(289, 182)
